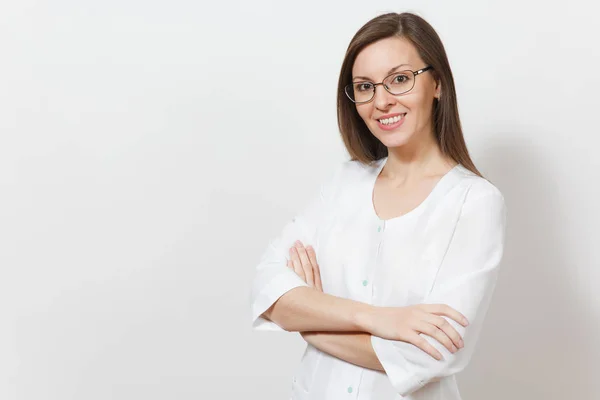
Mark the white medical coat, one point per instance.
(447, 250)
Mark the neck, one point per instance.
(416, 160)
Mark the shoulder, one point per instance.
(342, 174)
(347, 177)
(353, 170)
(479, 192)
(476, 186)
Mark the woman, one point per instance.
(403, 242)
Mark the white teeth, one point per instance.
(393, 120)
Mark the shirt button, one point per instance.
(379, 229)
(349, 389)
(365, 282)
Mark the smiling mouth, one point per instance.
(392, 120)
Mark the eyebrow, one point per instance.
(389, 72)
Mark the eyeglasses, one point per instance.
(396, 83)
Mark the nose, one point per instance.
(382, 98)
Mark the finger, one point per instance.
(436, 333)
(290, 265)
(316, 271)
(445, 310)
(318, 282)
(424, 345)
(306, 265)
(297, 263)
(443, 324)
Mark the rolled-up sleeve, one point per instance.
(272, 277)
(465, 281)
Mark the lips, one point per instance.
(391, 121)
(391, 118)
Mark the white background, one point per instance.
(151, 149)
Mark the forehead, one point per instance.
(375, 60)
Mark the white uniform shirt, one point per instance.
(445, 251)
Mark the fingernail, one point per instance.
(298, 243)
(454, 349)
(461, 343)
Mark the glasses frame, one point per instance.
(350, 86)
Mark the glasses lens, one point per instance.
(400, 82)
(360, 91)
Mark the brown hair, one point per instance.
(359, 141)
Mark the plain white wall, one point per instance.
(150, 150)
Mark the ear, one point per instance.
(438, 88)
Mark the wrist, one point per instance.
(309, 337)
(363, 317)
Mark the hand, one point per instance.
(406, 324)
(394, 323)
(303, 261)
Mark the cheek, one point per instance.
(422, 101)
(364, 112)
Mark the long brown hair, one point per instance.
(359, 141)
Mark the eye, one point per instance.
(400, 79)
(363, 86)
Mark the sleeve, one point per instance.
(465, 281)
(272, 278)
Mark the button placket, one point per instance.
(354, 383)
(381, 225)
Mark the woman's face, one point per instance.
(373, 64)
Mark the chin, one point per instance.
(394, 139)
(394, 143)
